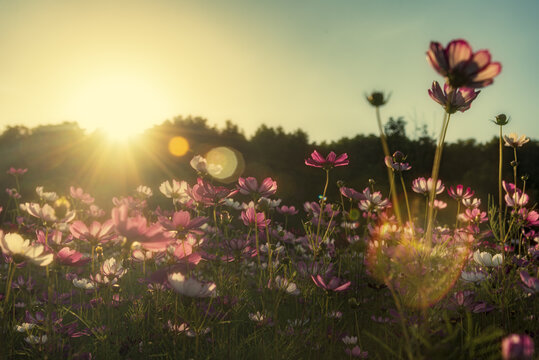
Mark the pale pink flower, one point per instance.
(144, 191)
(473, 215)
(514, 197)
(177, 190)
(79, 194)
(396, 162)
(16, 172)
(460, 66)
(251, 218)
(452, 100)
(287, 210)
(422, 186)
(356, 352)
(208, 194)
(46, 196)
(112, 269)
(439, 204)
(97, 233)
(518, 347)
(471, 203)
(71, 257)
(352, 194)
(532, 283)
(512, 140)
(182, 223)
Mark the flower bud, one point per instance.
(501, 120)
(377, 98)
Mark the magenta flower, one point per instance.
(70, 257)
(329, 162)
(249, 186)
(208, 194)
(334, 284)
(357, 353)
(251, 218)
(529, 218)
(459, 193)
(532, 283)
(517, 347)
(182, 223)
(452, 100)
(396, 162)
(460, 66)
(97, 233)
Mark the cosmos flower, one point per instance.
(96, 233)
(251, 218)
(200, 164)
(396, 162)
(16, 172)
(190, 286)
(144, 191)
(249, 186)
(287, 210)
(460, 66)
(19, 249)
(514, 141)
(484, 258)
(517, 347)
(422, 186)
(78, 193)
(182, 223)
(334, 284)
(71, 257)
(459, 193)
(329, 162)
(452, 100)
(46, 196)
(514, 197)
(177, 190)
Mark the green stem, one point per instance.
(322, 204)
(434, 176)
(394, 198)
(407, 203)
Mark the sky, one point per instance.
(124, 66)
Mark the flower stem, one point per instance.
(394, 198)
(434, 176)
(407, 203)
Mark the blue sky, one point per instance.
(126, 65)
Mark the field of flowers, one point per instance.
(224, 272)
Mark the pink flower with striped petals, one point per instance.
(334, 284)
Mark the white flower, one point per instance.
(258, 317)
(286, 285)
(190, 286)
(233, 204)
(144, 191)
(349, 340)
(84, 284)
(45, 212)
(199, 163)
(14, 245)
(24, 327)
(35, 340)
(269, 202)
(47, 196)
(177, 190)
(111, 268)
(471, 276)
(486, 259)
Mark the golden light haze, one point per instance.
(126, 65)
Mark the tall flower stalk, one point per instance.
(378, 99)
(501, 120)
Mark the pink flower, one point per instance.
(396, 162)
(331, 161)
(422, 186)
(517, 347)
(16, 172)
(352, 194)
(182, 223)
(356, 352)
(208, 194)
(452, 100)
(439, 204)
(460, 66)
(248, 186)
(471, 203)
(136, 228)
(97, 233)
(69, 257)
(251, 218)
(459, 193)
(473, 215)
(532, 283)
(514, 197)
(334, 284)
(287, 210)
(530, 218)
(78, 193)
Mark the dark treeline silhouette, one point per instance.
(59, 156)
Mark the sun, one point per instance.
(120, 105)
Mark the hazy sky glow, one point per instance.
(299, 64)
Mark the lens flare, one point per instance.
(178, 146)
(420, 273)
(229, 163)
